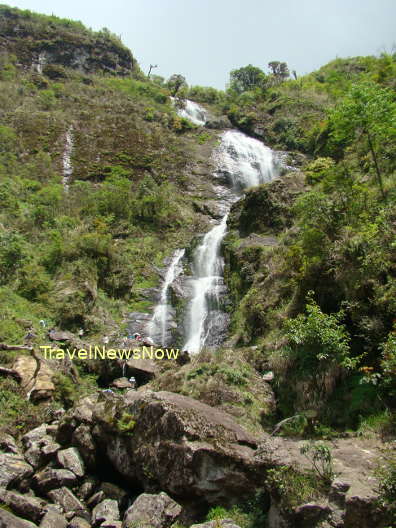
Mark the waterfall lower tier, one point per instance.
(207, 284)
(244, 162)
(159, 325)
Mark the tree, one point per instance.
(367, 110)
(279, 70)
(246, 78)
(175, 83)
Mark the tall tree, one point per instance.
(175, 83)
(246, 78)
(368, 110)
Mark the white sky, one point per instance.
(205, 39)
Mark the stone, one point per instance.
(79, 522)
(106, 510)
(112, 491)
(96, 499)
(34, 436)
(152, 511)
(8, 520)
(56, 335)
(121, 383)
(52, 519)
(68, 501)
(145, 368)
(50, 478)
(111, 524)
(70, 459)
(8, 444)
(309, 514)
(41, 451)
(36, 377)
(88, 487)
(218, 122)
(24, 506)
(184, 446)
(13, 469)
(224, 523)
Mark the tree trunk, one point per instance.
(377, 170)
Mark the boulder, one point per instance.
(36, 377)
(34, 436)
(224, 523)
(8, 520)
(79, 522)
(218, 122)
(50, 478)
(152, 511)
(88, 487)
(52, 519)
(106, 510)
(13, 469)
(61, 336)
(111, 491)
(68, 501)
(41, 452)
(142, 368)
(24, 506)
(71, 460)
(8, 444)
(178, 444)
(121, 383)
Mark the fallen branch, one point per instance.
(3, 346)
(10, 372)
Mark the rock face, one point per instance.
(168, 441)
(152, 511)
(41, 42)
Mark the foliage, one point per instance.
(320, 456)
(291, 487)
(126, 423)
(246, 78)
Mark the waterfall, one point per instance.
(66, 159)
(193, 111)
(245, 162)
(158, 325)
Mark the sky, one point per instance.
(205, 39)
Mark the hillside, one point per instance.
(256, 224)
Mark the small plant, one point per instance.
(126, 424)
(321, 459)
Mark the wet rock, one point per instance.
(70, 459)
(218, 122)
(8, 520)
(24, 506)
(152, 511)
(13, 469)
(52, 519)
(106, 510)
(50, 478)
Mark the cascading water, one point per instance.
(66, 159)
(158, 325)
(194, 112)
(245, 162)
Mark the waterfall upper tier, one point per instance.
(194, 112)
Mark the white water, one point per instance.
(246, 162)
(66, 159)
(158, 325)
(194, 112)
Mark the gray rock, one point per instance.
(24, 506)
(40, 452)
(53, 519)
(112, 491)
(13, 469)
(34, 436)
(154, 511)
(8, 520)
(88, 487)
(224, 523)
(111, 524)
(106, 510)
(50, 478)
(83, 440)
(8, 444)
(69, 502)
(121, 383)
(70, 459)
(309, 514)
(96, 499)
(79, 522)
(218, 122)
